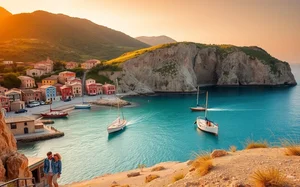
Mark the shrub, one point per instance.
(158, 168)
(292, 148)
(178, 176)
(232, 148)
(151, 177)
(251, 144)
(203, 163)
(268, 177)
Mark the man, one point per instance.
(48, 168)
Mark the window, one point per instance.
(25, 123)
(13, 126)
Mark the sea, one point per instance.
(161, 128)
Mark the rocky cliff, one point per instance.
(12, 164)
(180, 67)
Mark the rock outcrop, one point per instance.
(180, 67)
(12, 164)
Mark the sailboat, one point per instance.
(198, 108)
(83, 105)
(205, 124)
(54, 114)
(119, 123)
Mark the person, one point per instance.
(56, 168)
(48, 168)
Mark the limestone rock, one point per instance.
(133, 174)
(2, 171)
(218, 153)
(17, 167)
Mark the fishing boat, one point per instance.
(54, 114)
(119, 123)
(198, 108)
(206, 125)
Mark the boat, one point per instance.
(206, 125)
(54, 114)
(83, 105)
(198, 108)
(119, 123)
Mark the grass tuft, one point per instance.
(158, 168)
(151, 177)
(178, 177)
(268, 177)
(251, 144)
(232, 148)
(292, 148)
(203, 163)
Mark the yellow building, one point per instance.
(20, 125)
(49, 81)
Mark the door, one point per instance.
(25, 130)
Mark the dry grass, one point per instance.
(141, 167)
(232, 148)
(251, 144)
(178, 176)
(292, 148)
(151, 177)
(203, 163)
(268, 177)
(158, 168)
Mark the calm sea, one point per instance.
(161, 128)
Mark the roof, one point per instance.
(27, 91)
(90, 79)
(50, 78)
(64, 86)
(66, 72)
(12, 90)
(40, 69)
(58, 85)
(34, 162)
(25, 77)
(108, 85)
(46, 86)
(99, 84)
(17, 119)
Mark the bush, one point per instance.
(178, 177)
(268, 177)
(158, 168)
(232, 148)
(203, 163)
(141, 166)
(292, 148)
(251, 144)
(11, 81)
(151, 177)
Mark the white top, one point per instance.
(50, 168)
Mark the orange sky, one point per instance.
(271, 24)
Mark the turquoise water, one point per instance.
(161, 128)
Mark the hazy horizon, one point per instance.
(270, 24)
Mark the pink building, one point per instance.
(3, 90)
(76, 89)
(66, 92)
(99, 88)
(65, 75)
(73, 80)
(71, 65)
(46, 65)
(89, 64)
(5, 102)
(26, 82)
(31, 95)
(109, 89)
(90, 81)
(91, 89)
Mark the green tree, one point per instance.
(58, 66)
(79, 72)
(11, 81)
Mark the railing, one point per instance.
(20, 182)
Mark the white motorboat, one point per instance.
(206, 125)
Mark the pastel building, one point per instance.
(35, 72)
(91, 89)
(66, 92)
(49, 81)
(76, 89)
(26, 82)
(48, 93)
(57, 86)
(17, 105)
(90, 81)
(14, 95)
(109, 89)
(3, 90)
(73, 80)
(65, 75)
(99, 88)
(71, 65)
(5, 102)
(46, 65)
(89, 64)
(8, 62)
(20, 125)
(31, 95)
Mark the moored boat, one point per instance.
(198, 108)
(82, 106)
(54, 114)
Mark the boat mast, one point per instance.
(206, 104)
(198, 96)
(118, 100)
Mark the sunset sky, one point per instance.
(271, 24)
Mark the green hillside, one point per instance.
(41, 34)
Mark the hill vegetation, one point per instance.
(34, 36)
(155, 40)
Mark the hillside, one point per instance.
(61, 37)
(4, 13)
(180, 67)
(155, 40)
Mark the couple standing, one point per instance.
(52, 168)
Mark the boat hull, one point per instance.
(199, 109)
(54, 116)
(116, 127)
(82, 106)
(207, 126)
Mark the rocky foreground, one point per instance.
(229, 169)
(180, 67)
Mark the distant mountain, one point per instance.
(34, 36)
(4, 13)
(155, 40)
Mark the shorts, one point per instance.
(49, 174)
(54, 179)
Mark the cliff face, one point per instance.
(181, 67)
(12, 164)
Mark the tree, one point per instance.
(58, 66)
(11, 81)
(79, 72)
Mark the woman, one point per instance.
(56, 168)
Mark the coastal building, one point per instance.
(65, 75)
(8, 62)
(35, 72)
(71, 65)
(46, 65)
(49, 81)
(89, 64)
(91, 89)
(66, 92)
(14, 95)
(26, 82)
(49, 93)
(36, 166)
(17, 105)
(31, 95)
(57, 86)
(73, 80)
(5, 103)
(76, 89)
(90, 81)
(20, 125)
(99, 88)
(3, 90)
(109, 89)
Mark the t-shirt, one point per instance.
(50, 166)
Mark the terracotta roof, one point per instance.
(50, 78)
(18, 119)
(25, 77)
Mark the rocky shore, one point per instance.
(233, 169)
(111, 102)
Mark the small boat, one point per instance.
(205, 124)
(82, 106)
(119, 123)
(54, 114)
(198, 108)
